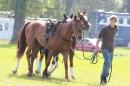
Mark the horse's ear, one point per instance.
(78, 12)
(65, 16)
(75, 17)
(71, 16)
(50, 22)
(84, 12)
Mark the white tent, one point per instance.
(6, 28)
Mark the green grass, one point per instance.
(87, 74)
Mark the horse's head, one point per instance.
(87, 25)
(66, 18)
(77, 27)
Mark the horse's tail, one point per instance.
(21, 43)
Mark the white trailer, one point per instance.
(6, 28)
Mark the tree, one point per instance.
(20, 6)
(55, 12)
(23, 9)
(125, 6)
(68, 6)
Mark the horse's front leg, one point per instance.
(50, 54)
(71, 56)
(65, 55)
(39, 63)
(54, 64)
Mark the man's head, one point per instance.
(113, 20)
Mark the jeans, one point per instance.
(108, 57)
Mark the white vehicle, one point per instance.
(6, 28)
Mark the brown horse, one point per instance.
(87, 26)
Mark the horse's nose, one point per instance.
(79, 37)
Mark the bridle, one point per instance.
(73, 28)
(85, 22)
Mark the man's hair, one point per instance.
(113, 17)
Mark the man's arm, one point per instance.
(97, 42)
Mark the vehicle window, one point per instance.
(86, 41)
(6, 26)
(121, 21)
(0, 27)
(128, 21)
(104, 20)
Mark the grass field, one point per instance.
(87, 74)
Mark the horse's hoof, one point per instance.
(73, 77)
(30, 74)
(49, 74)
(43, 76)
(37, 71)
(67, 80)
(14, 71)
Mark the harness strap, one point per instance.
(62, 37)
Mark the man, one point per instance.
(107, 34)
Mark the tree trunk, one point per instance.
(69, 4)
(20, 7)
(128, 6)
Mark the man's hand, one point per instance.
(96, 50)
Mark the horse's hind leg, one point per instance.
(34, 53)
(16, 67)
(28, 54)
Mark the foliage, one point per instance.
(57, 11)
(55, 8)
(87, 74)
(125, 6)
(107, 5)
(35, 8)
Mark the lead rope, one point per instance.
(94, 56)
(110, 73)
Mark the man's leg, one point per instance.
(107, 64)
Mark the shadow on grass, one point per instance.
(38, 78)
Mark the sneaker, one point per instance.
(103, 81)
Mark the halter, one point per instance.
(86, 21)
(75, 31)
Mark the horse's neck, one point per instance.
(67, 31)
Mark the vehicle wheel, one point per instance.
(93, 49)
(128, 44)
